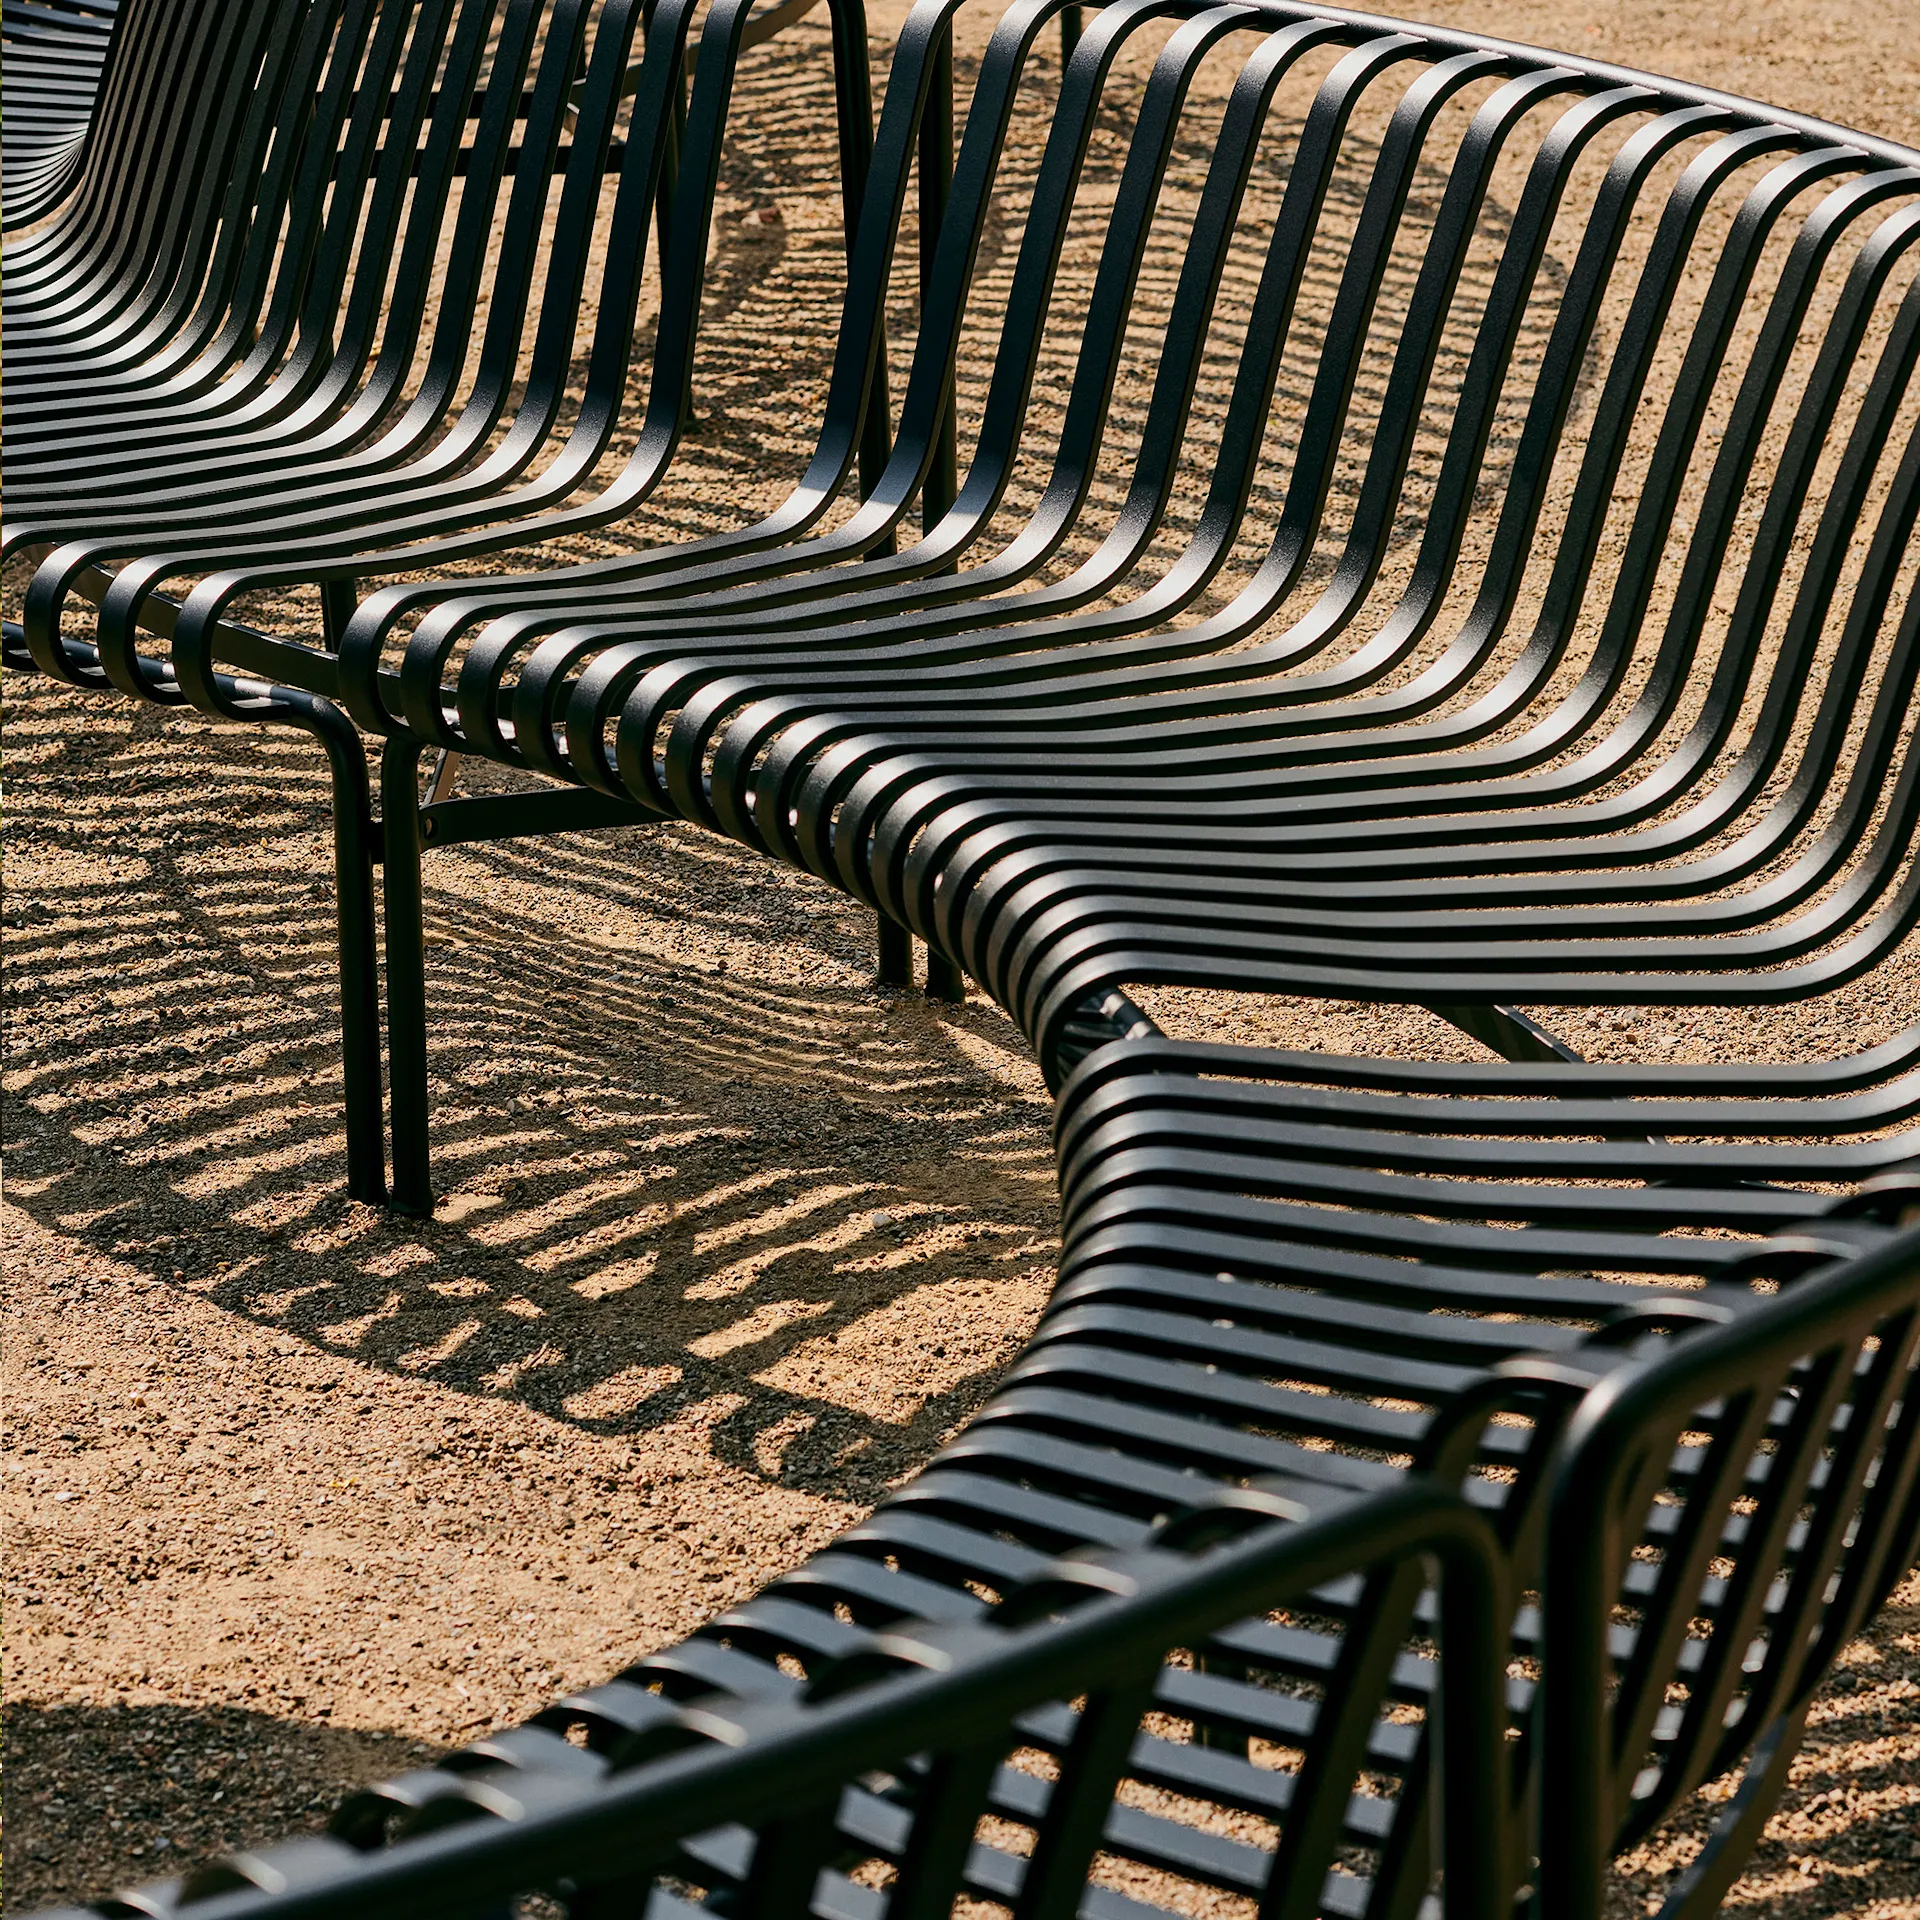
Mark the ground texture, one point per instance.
(297, 1493)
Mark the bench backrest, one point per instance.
(1727, 1517)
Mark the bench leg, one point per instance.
(338, 598)
(1698, 1892)
(446, 768)
(406, 975)
(945, 981)
(353, 860)
(1507, 1031)
(893, 953)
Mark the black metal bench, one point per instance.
(1335, 1271)
(1345, 783)
(1543, 1192)
(1067, 783)
(1292, 1276)
(54, 54)
(206, 377)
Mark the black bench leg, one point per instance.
(1506, 1031)
(338, 599)
(945, 981)
(893, 953)
(353, 859)
(406, 975)
(1698, 1892)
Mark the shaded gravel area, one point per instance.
(297, 1494)
(298, 1491)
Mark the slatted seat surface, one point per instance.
(279, 371)
(1297, 1271)
(1688, 782)
(1473, 1190)
(1319, 671)
(1505, 591)
(1437, 143)
(52, 56)
(1435, 437)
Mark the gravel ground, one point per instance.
(297, 1494)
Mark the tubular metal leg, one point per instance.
(406, 976)
(1508, 1031)
(1698, 1892)
(446, 767)
(337, 602)
(945, 981)
(353, 858)
(893, 946)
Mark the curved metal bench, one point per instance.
(55, 52)
(212, 308)
(1824, 183)
(1348, 785)
(933, 1724)
(1334, 1271)
(1318, 1278)
(1436, 746)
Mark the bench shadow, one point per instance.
(683, 1145)
(102, 1797)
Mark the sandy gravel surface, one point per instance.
(296, 1493)
(729, 1239)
